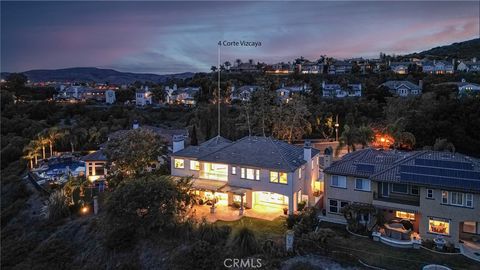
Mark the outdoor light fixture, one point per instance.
(84, 210)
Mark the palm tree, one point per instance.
(348, 138)
(238, 61)
(52, 135)
(43, 141)
(213, 68)
(365, 135)
(32, 151)
(227, 64)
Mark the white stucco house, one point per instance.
(253, 171)
(143, 97)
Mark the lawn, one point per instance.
(384, 256)
(263, 229)
(347, 249)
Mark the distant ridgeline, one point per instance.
(98, 75)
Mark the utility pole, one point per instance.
(218, 95)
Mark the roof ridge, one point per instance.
(399, 162)
(280, 152)
(223, 147)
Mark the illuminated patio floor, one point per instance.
(227, 213)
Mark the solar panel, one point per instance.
(444, 164)
(447, 172)
(369, 168)
(465, 184)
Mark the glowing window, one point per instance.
(179, 163)
(194, 165)
(234, 170)
(405, 215)
(439, 226)
(278, 177)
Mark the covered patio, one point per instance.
(220, 201)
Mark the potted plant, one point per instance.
(285, 210)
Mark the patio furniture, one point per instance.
(439, 242)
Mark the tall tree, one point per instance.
(365, 135)
(194, 139)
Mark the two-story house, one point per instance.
(336, 90)
(255, 171)
(143, 97)
(243, 93)
(400, 67)
(437, 67)
(404, 88)
(438, 193)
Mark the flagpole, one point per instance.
(218, 86)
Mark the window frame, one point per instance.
(363, 181)
(469, 200)
(278, 176)
(434, 219)
(337, 178)
(430, 193)
(175, 163)
(399, 192)
(193, 162)
(234, 170)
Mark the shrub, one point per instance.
(245, 242)
(301, 205)
(428, 243)
(57, 206)
(199, 255)
(291, 220)
(52, 254)
(212, 233)
(302, 266)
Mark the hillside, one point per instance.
(459, 50)
(89, 74)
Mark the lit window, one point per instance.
(257, 174)
(362, 184)
(439, 226)
(338, 181)
(283, 178)
(194, 165)
(300, 173)
(242, 173)
(444, 196)
(430, 193)
(250, 174)
(234, 170)
(405, 215)
(274, 177)
(179, 163)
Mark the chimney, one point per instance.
(307, 151)
(135, 124)
(420, 84)
(474, 59)
(327, 157)
(178, 143)
(174, 87)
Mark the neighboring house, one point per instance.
(403, 88)
(94, 94)
(143, 97)
(464, 87)
(279, 68)
(469, 66)
(255, 171)
(110, 96)
(285, 94)
(336, 90)
(95, 166)
(185, 95)
(243, 93)
(436, 193)
(72, 92)
(400, 67)
(339, 67)
(311, 68)
(244, 67)
(437, 67)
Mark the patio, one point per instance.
(224, 212)
(470, 249)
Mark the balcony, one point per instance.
(411, 203)
(222, 176)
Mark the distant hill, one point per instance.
(459, 50)
(89, 74)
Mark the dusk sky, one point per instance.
(168, 37)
